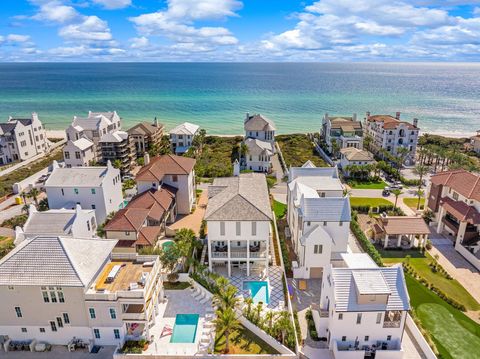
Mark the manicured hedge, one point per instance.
(367, 246)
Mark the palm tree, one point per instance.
(34, 194)
(420, 170)
(269, 317)
(24, 196)
(367, 142)
(402, 154)
(243, 150)
(43, 205)
(420, 193)
(335, 148)
(117, 164)
(396, 193)
(26, 209)
(283, 324)
(227, 298)
(222, 283)
(227, 322)
(249, 302)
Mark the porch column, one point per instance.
(412, 240)
(461, 232)
(441, 214)
(399, 241)
(210, 261)
(229, 264)
(248, 256)
(385, 240)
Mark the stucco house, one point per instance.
(181, 137)
(363, 308)
(318, 216)
(175, 171)
(54, 289)
(259, 155)
(238, 220)
(97, 188)
(346, 131)
(145, 136)
(351, 156)
(79, 153)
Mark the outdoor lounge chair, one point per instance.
(205, 300)
(167, 330)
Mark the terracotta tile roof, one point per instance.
(403, 225)
(145, 128)
(389, 122)
(148, 236)
(461, 181)
(125, 244)
(461, 210)
(150, 204)
(165, 165)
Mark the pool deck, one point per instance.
(177, 302)
(274, 278)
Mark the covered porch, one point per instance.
(401, 232)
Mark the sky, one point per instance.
(240, 30)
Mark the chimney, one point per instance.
(109, 165)
(397, 115)
(247, 117)
(78, 208)
(368, 115)
(155, 122)
(55, 164)
(354, 117)
(146, 159)
(236, 168)
(415, 122)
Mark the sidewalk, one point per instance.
(279, 191)
(193, 220)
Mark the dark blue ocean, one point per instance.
(445, 97)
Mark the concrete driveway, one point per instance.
(457, 266)
(61, 352)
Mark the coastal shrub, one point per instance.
(217, 156)
(298, 149)
(17, 221)
(134, 346)
(311, 325)
(365, 243)
(428, 245)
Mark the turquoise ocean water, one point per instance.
(445, 97)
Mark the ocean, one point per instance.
(444, 97)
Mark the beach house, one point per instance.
(74, 292)
(390, 134)
(352, 157)
(145, 136)
(79, 153)
(22, 138)
(97, 188)
(363, 308)
(475, 142)
(117, 147)
(181, 137)
(454, 198)
(238, 219)
(78, 223)
(345, 131)
(318, 216)
(260, 143)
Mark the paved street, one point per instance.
(60, 352)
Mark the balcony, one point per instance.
(395, 324)
(450, 223)
(239, 252)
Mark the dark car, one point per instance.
(386, 193)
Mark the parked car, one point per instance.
(128, 177)
(43, 178)
(386, 193)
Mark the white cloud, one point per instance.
(113, 4)
(177, 24)
(139, 42)
(55, 11)
(17, 38)
(466, 31)
(92, 28)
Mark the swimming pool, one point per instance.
(185, 328)
(258, 291)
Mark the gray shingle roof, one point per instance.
(243, 198)
(387, 280)
(259, 123)
(53, 222)
(76, 176)
(55, 261)
(256, 146)
(330, 209)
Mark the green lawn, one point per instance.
(419, 262)
(279, 209)
(366, 184)
(243, 341)
(217, 156)
(413, 201)
(298, 149)
(455, 335)
(366, 201)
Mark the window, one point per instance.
(359, 318)
(344, 338)
(61, 298)
(88, 226)
(97, 333)
(18, 311)
(63, 193)
(67, 155)
(325, 223)
(127, 233)
(11, 287)
(366, 339)
(113, 313)
(46, 299)
(317, 249)
(174, 178)
(42, 330)
(77, 155)
(116, 333)
(455, 196)
(254, 228)
(389, 337)
(238, 228)
(66, 318)
(75, 190)
(341, 224)
(93, 206)
(93, 190)
(340, 316)
(53, 296)
(222, 228)
(92, 313)
(59, 322)
(53, 326)
(24, 330)
(308, 223)
(379, 318)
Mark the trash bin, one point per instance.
(18, 200)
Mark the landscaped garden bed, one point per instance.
(242, 341)
(359, 184)
(298, 149)
(6, 245)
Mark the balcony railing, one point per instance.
(395, 324)
(240, 253)
(450, 224)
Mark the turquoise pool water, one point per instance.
(258, 290)
(185, 328)
(166, 245)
